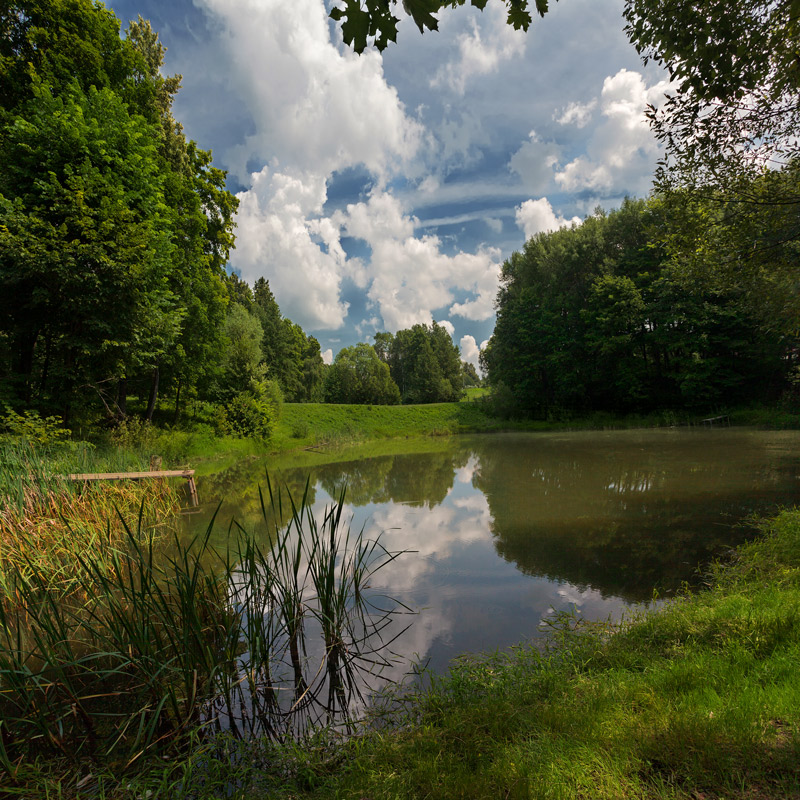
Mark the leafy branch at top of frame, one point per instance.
(365, 20)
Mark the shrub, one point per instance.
(36, 429)
(253, 413)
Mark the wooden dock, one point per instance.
(721, 420)
(188, 474)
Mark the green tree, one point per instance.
(730, 132)
(292, 357)
(114, 230)
(602, 316)
(375, 20)
(243, 363)
(425, 364)
(357, 375)
(737, 106)
(469, 374)
(383, 345)
(85, 245)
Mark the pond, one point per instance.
(505, 530)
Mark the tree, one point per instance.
(601, 316)
(730, 129)
(425, 364)
(470, 375)
(357, 375)
(291, 357)
(201, 212)
(114, 230)
(243, 363)
(737, 107)
(85, 245)
(383, 345)
(363, 20)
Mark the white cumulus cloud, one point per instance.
(481, 50)
(448, 326)
(410, 277)
(470, 350)
(312, 102)
(535, 162)
(621, 151)
(537, 216)
(275, 238)
(577, 114)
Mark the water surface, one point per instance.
(508, 529)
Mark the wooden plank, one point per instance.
(121, 476)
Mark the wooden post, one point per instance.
(193, 491)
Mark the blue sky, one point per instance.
(377, 191)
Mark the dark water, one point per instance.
(507, 529)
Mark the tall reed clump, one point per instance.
(165, 647)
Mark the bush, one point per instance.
(36, 429)
(133, 433)
(251, 414)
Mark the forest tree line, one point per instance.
(616, 314)
(115, 233)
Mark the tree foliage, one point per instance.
(737, 105)
(600, 317)
(114, 230)
(730, 128)
(290, 356)
(424, 363)
(365, 21)
(357, 375)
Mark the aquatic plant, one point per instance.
(154, 646)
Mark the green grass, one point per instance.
(314, 424)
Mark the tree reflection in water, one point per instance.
(595, 520)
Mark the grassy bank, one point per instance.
(697, 700)
(304, 426)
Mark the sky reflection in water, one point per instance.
(508, 529)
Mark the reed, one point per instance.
(156, 645)
(46, 522)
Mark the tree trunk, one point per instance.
(177, 403)
(151, 403)
(46, 367)
(26, 345)
(122, 397)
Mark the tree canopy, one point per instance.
(601, 317)
(357, 375)
(114, 230)
(424, 363)
(737, 104)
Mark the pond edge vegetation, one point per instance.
(697, 697)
